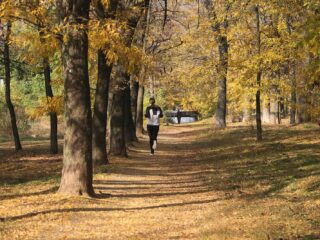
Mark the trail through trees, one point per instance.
(202, 183)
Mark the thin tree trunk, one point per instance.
(130, 128)
(258, 109)
(220, 28)
(292, 75)
(141, 42)
(77, 155)
(221, 111)
(109, 114)
(139, 116)
(279, 112)
(258, 100)
(99, 121)
(49, 94)
(134, 90)
(53, 115)
(7, 79)
(293, 102)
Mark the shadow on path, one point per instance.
(32, 214)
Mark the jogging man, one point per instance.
(153, 113)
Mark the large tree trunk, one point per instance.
(117, 134)
(117, 114)
(53, 115)
(121, 98)
(258, 81)
(77, 155)
(139, 115)
(99, 121)
(7, 79)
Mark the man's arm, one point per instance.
(147, 114)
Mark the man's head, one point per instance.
(152, 101)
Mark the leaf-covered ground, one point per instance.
(202, 184)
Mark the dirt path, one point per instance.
(201, 184)
(162, 196)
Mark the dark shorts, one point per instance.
(153, 132)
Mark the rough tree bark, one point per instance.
(120, 102)
(138, 40)
(258, 93)
(99, 121)
(77, 155)
(7, 80)
(117, 136)
(117, 114)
